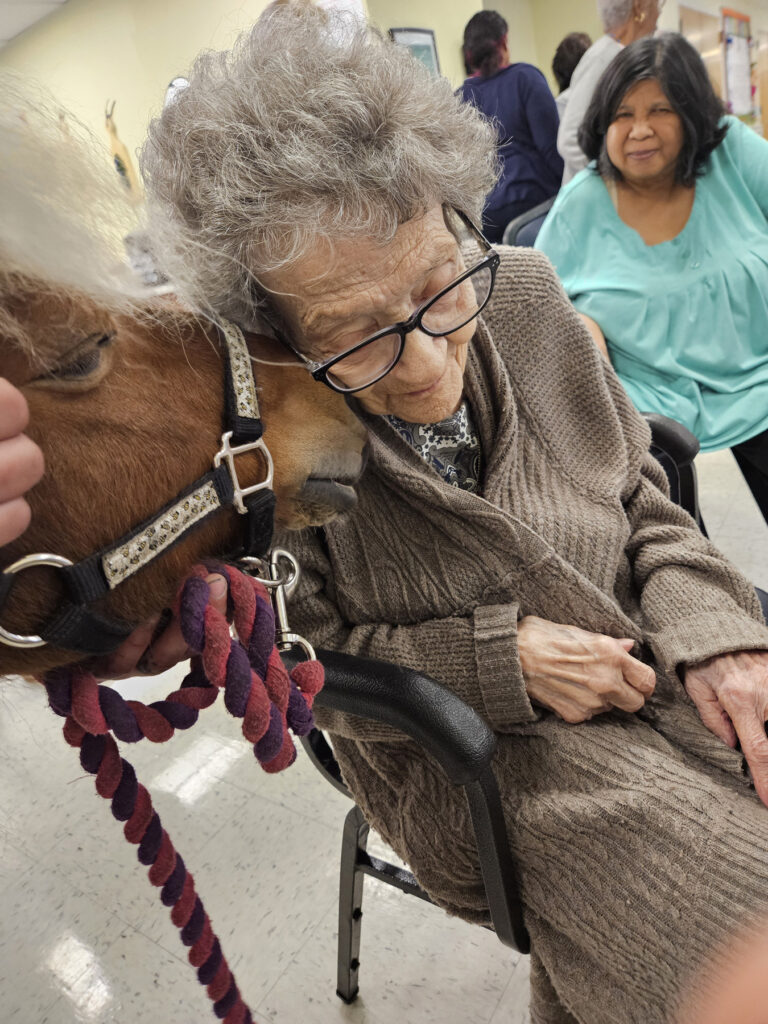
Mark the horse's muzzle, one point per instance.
(332, 484)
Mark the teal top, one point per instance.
(686, 321)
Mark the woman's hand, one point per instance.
(578, 674)
(139, 654)
(21, 463)
(731, 694)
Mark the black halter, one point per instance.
(74, 626)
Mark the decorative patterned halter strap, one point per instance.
(76, 627)
(257, 689)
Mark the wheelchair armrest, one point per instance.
(451, 731)
(673, 438)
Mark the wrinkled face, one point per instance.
(128, 414)
(646, 135)
(339, 297)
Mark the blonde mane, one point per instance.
(63, 212)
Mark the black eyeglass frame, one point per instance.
(320, 371)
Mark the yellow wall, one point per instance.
(518, 15)
(91, 51)
(447, 19)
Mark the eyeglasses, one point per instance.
(444, 313)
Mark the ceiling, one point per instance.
(17, 15)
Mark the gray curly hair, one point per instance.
(313, 127)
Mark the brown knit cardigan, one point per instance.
(630, 828)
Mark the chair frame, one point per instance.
(463, 744)
(515, 226)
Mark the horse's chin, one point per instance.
(319, 501)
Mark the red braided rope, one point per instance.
(257, 688)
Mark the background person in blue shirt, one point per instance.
(662, 244)
(518, 98)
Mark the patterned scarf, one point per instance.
(451, 447)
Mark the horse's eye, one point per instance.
(84, 363)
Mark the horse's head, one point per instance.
(128, 411)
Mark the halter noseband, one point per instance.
(76, 627)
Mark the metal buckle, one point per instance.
(280, 587)
(228, 452)
(28, 562)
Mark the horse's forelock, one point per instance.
(63, 213)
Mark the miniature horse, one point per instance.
(126, 395)
(128, 413)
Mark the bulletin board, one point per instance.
(737, 40)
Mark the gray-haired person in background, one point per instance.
(623, 21)
(512, 537)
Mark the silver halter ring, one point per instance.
(29, 562)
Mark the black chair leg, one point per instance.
(351, 880)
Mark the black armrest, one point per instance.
(453, 733)
(673, 438)
(459, 740)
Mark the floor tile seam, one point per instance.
(179, 952)
(287, 809)
(510, 981)
(291, 962)
(101, 943)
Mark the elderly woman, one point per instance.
(623, 21)
(663, 245)
(512, 537)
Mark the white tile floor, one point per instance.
(83, 937)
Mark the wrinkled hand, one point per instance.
(139, 654)
(21, 463)
(731, 694)
(578, 674)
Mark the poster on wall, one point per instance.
(421, 43)
(738, 78)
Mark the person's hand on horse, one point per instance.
(578, 674)
(731, 694)
(21, 463)
(143, 653)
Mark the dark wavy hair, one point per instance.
(680, 71)
(567, 55)
(482, 35)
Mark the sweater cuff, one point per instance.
(702, 636)
(499, 673)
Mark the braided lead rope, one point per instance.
(257, 689)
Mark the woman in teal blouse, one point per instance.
(662, 246)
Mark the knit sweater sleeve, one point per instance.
(475, 655)
(695, 604)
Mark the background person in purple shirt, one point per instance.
(518, 98)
